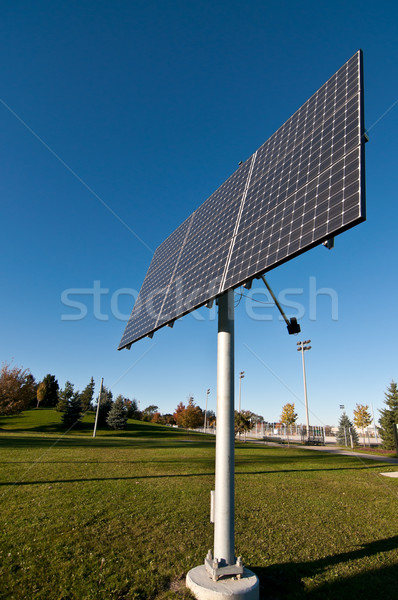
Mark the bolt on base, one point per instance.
(217, 569)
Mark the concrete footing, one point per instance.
(204, 588)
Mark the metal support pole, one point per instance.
(224, 530)
(98, 405)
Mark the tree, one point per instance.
(288, 416)
(106, 402)
(211, 418)
(169, 419)
(87, 395)
(389, 416)
(158, 418)
(242, 422)
(64, 396)
(132, 409)
(17, 387)
(117, 416)
(193, 415)
(255, 419)
(73, 412)
(148, 412)
(362, 418)
(189, 416)
(178, 414)
(49, 395)
(346, 432)
(40, 393)
(33, 385)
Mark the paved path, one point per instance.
(378, 457)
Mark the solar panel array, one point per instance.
(304, 185)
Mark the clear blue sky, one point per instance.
(118, 119)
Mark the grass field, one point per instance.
(126, 516)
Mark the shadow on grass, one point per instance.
(49, 422)
(285, 581)
(109, 442)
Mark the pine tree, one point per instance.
(389, 417)
(49, 391)
(64, 396)
(117, 417)
(87, 395)
(106, 402)
(72, 414)
(346, 431)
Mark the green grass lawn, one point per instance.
(125, 516)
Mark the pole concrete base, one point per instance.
(204, 588)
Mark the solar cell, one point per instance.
(304, 185)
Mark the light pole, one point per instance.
(302, 347)
(207, 395)
(241, 376)
(98, 405)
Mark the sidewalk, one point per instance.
(377, 457)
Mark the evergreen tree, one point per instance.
(33, 385)
(389, 416)
(345, 431)
(117, 416)
(64, 396)
(87, 395)
(48, 391)
(106, 402)
(73, 412)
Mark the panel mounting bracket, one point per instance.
(293, 327)
(329, 244)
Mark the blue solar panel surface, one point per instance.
(304, 185)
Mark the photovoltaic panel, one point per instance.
(304, 185)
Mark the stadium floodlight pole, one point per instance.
(302, 347)
(241, 376)
(205, 423)
(98, 404)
